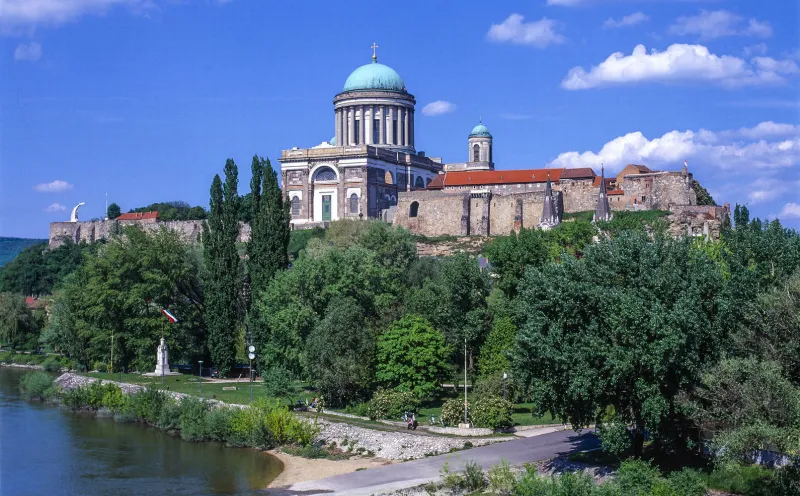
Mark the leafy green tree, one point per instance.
(37, 270)
(412, 356)
(511, 255)
(631, 325)
(278, 383)
(222, 268)
(340, 353)
(493, 358)
(117, 296)
(703, 196)
(17, 324)
(113, 211)
(174, 210)
(570, 237)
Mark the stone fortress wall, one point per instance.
(91, 231)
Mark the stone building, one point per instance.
(370, 160)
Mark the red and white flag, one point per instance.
(171, 317)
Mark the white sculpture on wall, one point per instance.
(74, 216)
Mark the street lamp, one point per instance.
(251, 355)
(505, 376)
(200, 384)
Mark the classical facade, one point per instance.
(370, 160)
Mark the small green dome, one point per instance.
(332, 142)
(480, 130)
(374, 76)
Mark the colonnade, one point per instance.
(388, 116)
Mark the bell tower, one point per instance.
(480, 149)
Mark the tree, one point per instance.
(413, 357)
(703, 196)
(37, 270)
(493, 358)
(17, 325)
(222, 268)
(340, 353)
(113, 211)
(630, 325)
(511, 255)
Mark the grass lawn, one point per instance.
(522, 414)
(190, 385)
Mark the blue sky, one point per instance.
(145, 99)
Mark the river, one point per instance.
(45, 450)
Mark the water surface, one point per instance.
(45, 450)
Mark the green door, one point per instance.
(326, 208)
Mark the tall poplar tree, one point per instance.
(222, 268)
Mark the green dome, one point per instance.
(480, 130)
(374, 76)
(332, 142)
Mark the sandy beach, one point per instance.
(298, 469)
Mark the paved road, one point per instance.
(409, 474)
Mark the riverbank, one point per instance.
(298, 469)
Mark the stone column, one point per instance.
(361, 136)
(406, 119)
(390, 126)
(338, 124)
(400, 113)
(368, 126)
(411, 132)
(382, 125)
(351, 120)
(343, 115)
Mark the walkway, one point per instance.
(414, 473)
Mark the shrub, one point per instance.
(76, 398)
(37, 386)
(95, 392)
(114, 399)
(390, 404)
(786, 481)
(6, 356)
(740, 479)
(492, 412)
(474, 478)
(452, 412)
(492, 385)
(148, 406)
(501, 479)
(637, 477)
(52, 364)
(68, 364)
(218, 423)
(100, 366)
(687, 482)
(360, 409)
(614, 436)
(193, 413)
(450, 479)
(169, 414)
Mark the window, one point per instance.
(325, 174)
(388, 178)
(357, 131)
(476, 153)
(644, 198)
(394, 132)
(296, 205)
(413, 209)
(354, 203)
(419, 182)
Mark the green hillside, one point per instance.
(10, 247)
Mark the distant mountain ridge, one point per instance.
(10, 247)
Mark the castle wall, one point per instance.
(439, 213)
(579, 194)
(658, 190)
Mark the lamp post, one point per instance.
(251, 355)
(163, 348)
(466, 418)
(505, 376)
(200, 384)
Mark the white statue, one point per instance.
(162, 361)
(74, 216)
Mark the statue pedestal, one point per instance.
(162, 362)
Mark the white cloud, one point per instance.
(790, 211)
(30, 52)
(679, 63)
(719, 23)
(439, 107)
(55, 207)
(514, 30)
(628, 20)
(766, 189)
(769, 128)
(722, 150)
(54, 12)
(56, 186)
(757, 49)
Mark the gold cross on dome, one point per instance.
(374, 50)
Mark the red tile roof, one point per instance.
(478, 178)
(609, 180)
(436, 183)
(578, 173)
(138, 216)
(615, 192)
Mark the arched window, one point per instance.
(476, 153)
(296, 205)
(419, 182)
(388, 178)
(413, 210)
(354, 203)
(325, 174)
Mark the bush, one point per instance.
(614, 436)
(492, 412)
(360, 409)
(114, 399)
(76, 398)
(687, 482)
(169, 414)
(7, 356)
(100, 366)
(740, 479)
(474, 478)
(501, 479)
(52, 364)
(452, 412)
(637, 477)
(390, 404)
(786, 481)
(193, 413)
(148, 406)
(492, 385)
(37, 386)
(218, 423)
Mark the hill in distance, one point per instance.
(10, 247)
